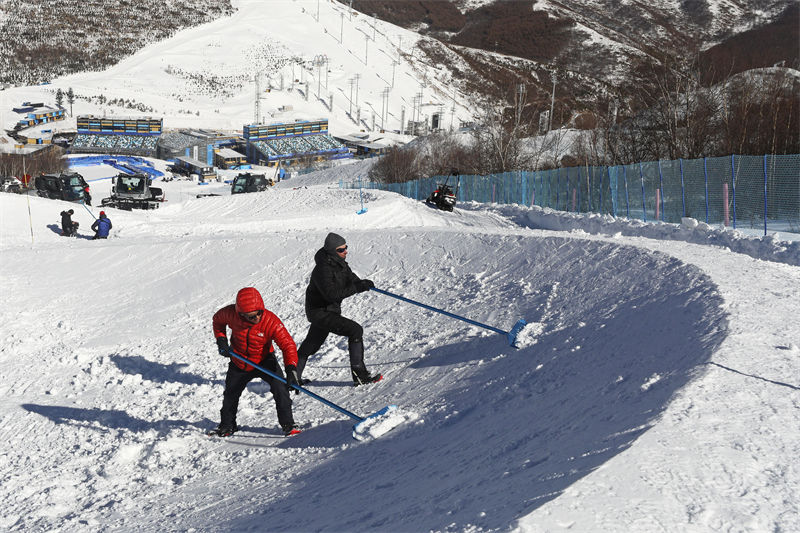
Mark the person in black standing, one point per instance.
(68, 227)
(331, 282)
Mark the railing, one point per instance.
(744, 192)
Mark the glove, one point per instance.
(365, 285)
(222, 346)
(292, 378)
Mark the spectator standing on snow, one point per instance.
(331, 282)
(101, 226)
(68, 227)
(253, 328)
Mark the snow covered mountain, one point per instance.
(266, 65)
(376, 73)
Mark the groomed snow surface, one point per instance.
(655, 389)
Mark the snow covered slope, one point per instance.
(656, 389)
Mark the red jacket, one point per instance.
(253, 341)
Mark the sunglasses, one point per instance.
(255, 315)
(342, 249)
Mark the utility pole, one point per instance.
(257, 111)
(341, 28)
(366, 48)
(385, 106)
(402, 119)
(317, 10)
(351, 81)
(351, 10)
(520, 101)
(552, 103)
(320, 60)
(374, 29)
(394, 64)
(358, 77)
(453, 109)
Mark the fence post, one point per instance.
(558, 187)
(661, 184)
(589, 183)
(765, 194)
(600, 207)
(644, 207)
(523, 192)
(705, 173)
(580, 182)
(683, 189)
(733, 185)
(627, 200)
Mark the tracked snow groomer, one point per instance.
(133, 191)
(443, 197)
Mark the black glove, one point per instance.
(365, 285)
(292, 378)
(222, 346)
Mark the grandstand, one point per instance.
(199, 144)
(125, 136)
(289, 143)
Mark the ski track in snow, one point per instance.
(658, 391)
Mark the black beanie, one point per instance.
(333, 241)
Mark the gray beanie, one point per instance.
(333, 241)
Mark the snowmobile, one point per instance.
(133, 191)
(443, 197)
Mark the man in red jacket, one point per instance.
(253, 328)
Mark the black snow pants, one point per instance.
(324, 323)
(237, 379)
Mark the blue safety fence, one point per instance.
(744, 192)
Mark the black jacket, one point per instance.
(331, 282)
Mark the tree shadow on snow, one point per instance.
(511, 433)
(110, 419)
(156, 372)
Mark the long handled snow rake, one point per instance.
(510, 335)
(362, 426)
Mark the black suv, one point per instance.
(68, 186)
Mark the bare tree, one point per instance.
(399, 164)
(499, 139)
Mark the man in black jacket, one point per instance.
(68, 227)
(331, 282)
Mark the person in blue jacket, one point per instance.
(101, 226)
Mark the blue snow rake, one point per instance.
(510, 335)
(357, 428)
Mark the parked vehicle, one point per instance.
(248, 182)
(10, 184)
(69, 186)
(133, 191)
